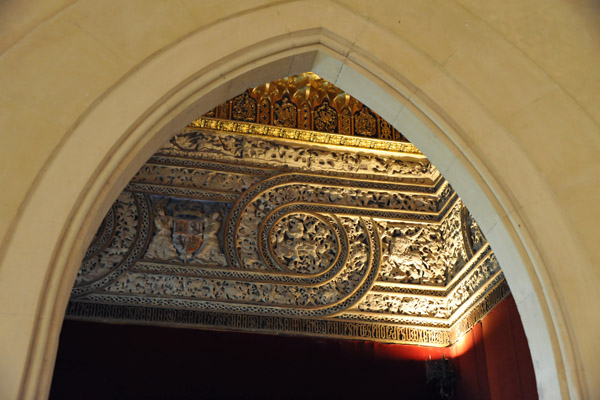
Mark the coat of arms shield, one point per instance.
(187, 237)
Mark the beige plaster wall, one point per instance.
(504, 96)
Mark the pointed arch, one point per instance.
(108, 142)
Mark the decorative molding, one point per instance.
(258, 323)
(308, 108)
(487, 302)
(232, 225)
(216, 145)
(248, 128)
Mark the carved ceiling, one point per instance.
(283, 211)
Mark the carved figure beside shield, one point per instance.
(161, 246)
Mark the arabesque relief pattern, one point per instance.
(360, 242)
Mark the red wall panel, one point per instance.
(492, 362)
(493, 359)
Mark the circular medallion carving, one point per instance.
(303, 243)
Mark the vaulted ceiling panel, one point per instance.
(291, 209)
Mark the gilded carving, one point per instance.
(345, 122)
(210, 251)
(365, 123)
(325, 118)
(385, 130)
(304, 117)
(412, 306)
(408, 261)
(264, 111)
(223, 111)
(291, 101)
(243, 108)
(195, 178)
(128, 236)
(285, 113)
(304, 135)
(465, 289)
(476, 239)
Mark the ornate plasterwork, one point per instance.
(210, 124)
(308, 103)
(303, 243)
(236, 231)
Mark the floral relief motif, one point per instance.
(411, 306)
(314, 296)
(288, 156)
(195, 178)
(100, 264)
(313, 193)
(262, 226)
